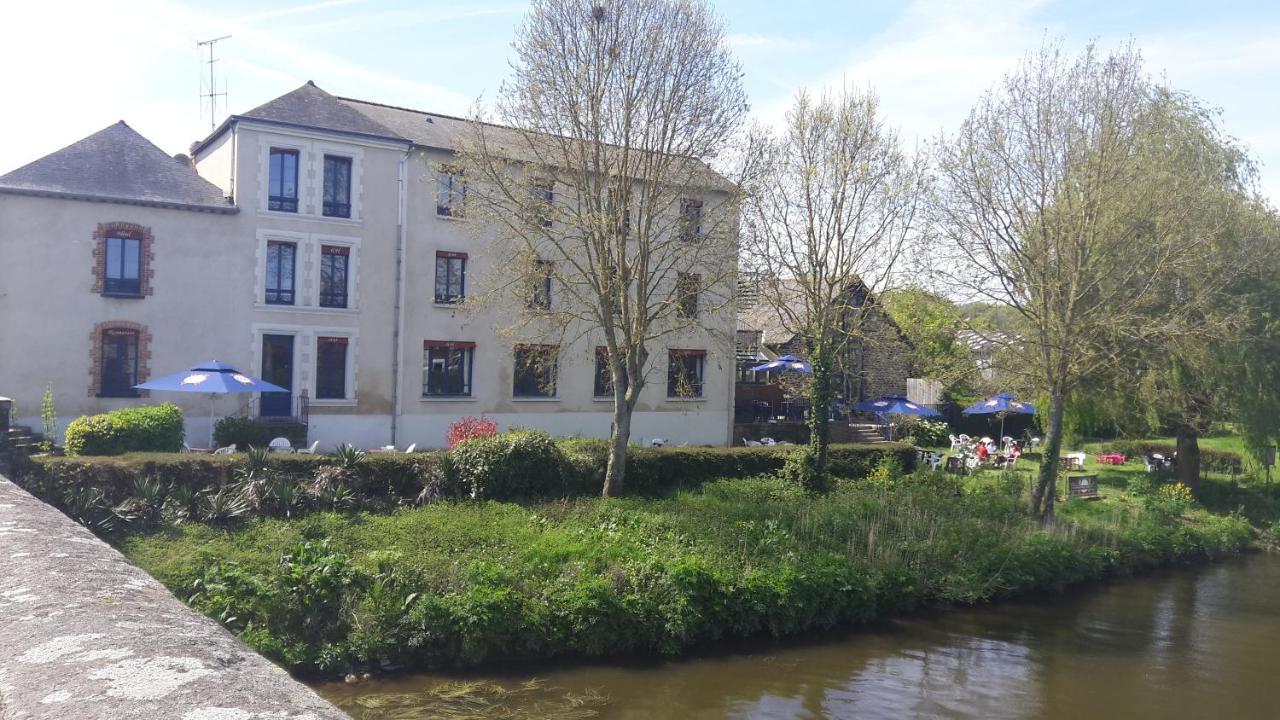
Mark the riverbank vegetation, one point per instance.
(457, 583)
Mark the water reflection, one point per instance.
(1190, 644)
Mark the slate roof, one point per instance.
(118, 165)
(311, 107)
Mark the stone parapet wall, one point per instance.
(86, 635)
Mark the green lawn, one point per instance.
(460, 583)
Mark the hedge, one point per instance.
(499, 468)
(155, 428)
(1223, 461)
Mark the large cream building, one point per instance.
(312, 241)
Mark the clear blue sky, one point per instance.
(72, 68)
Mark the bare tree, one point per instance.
(1057, 199)
(835, 203)
(611, 226)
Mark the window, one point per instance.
(619, 212)
(603, 386)
(446, 368)
(282, 185)
(451, 192)
(684, 373)
(331, 368)
(687, 286)
(535, 371)
(690, 218)
(119, 358)
(334, 261)
(451, 277)
(280, 265)
(540, 297)
(542, 197)
(337, 186)
(122, 271)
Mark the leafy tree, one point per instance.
(1061, 199)
(931, 322)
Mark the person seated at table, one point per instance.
(983, 452)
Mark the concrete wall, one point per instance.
(87, 635)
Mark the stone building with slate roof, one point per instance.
(316, 241)
(876, 363)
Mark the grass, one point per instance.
(456, 584)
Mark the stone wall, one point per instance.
(87, 635)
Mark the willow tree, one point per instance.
(834, 205)
(610, 225)
(1057, 199)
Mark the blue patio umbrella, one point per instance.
(1002, 405)
(896, 405)
(213, 377)
(786, 363)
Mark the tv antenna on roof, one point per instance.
(213, 93)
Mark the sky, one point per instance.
(72, 68)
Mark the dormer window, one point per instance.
(282, 183)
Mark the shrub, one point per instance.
(928, 433)
(470, 428)
(515, 464)
(801, 469)
(150, 428)
(243, 432)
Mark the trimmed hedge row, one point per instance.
(1223, 461)
(497, 468)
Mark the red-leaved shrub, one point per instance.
(471, 427)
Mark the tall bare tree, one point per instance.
(599, 184)
(834, 204)
(1057, 199)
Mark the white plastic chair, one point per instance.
(955, 443)
(411, 448)
(751, 443)
(658, 442)
(280, 445)
(1075, 460)
(768, 441)
(310, 449)
(228, 450)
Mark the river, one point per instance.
(1201, 642)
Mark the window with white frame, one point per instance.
(335, 262)
(281, 265)
(331, 368)
(282, 180)
(337, 186)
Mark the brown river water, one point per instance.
(1199, 642)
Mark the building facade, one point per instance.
(320, 243)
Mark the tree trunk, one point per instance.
(820, 407)
(1046, 489)
(617, 468)
(1188, 466)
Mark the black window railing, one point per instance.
(282, 203)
